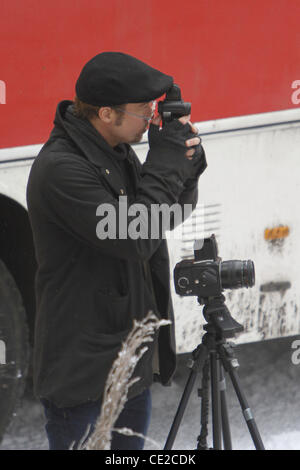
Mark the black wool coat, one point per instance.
(88, 290)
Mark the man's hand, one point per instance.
(190, 142)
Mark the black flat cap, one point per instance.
(113, 78)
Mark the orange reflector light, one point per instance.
(276, 232)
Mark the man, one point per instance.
(90, 288)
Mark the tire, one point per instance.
(14, 349)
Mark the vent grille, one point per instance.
(203, 222)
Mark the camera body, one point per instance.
(173, 107)
(207, 275)
(201, 278)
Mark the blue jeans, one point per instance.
(66, 425)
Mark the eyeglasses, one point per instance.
(145, 118)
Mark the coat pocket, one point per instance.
(112, 313)
(104, 344)
(98, 351)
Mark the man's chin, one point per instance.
(137, 138)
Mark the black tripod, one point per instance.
(210, 357)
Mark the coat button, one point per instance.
(107, 171)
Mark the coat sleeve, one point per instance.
(189, 196)
(76, 199)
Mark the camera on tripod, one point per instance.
(207, 275)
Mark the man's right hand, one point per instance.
(189, 142)
(194, 140)
(168, 146)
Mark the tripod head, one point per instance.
(218, 317)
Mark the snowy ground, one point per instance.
(269, 379)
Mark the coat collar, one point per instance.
(94, 147)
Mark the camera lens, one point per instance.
(236, 274)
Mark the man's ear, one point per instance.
(105, 114)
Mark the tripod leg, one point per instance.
(246, 410)
(216, 400)
(199, 357)
(204, 393)
(225, 420)
(230, 364)
(181, 409)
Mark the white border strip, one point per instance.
(27, 151)
(207, 127)
(252, 120)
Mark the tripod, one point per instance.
(212, 356)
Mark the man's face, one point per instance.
(130, 126)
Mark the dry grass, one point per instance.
(119, 381)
